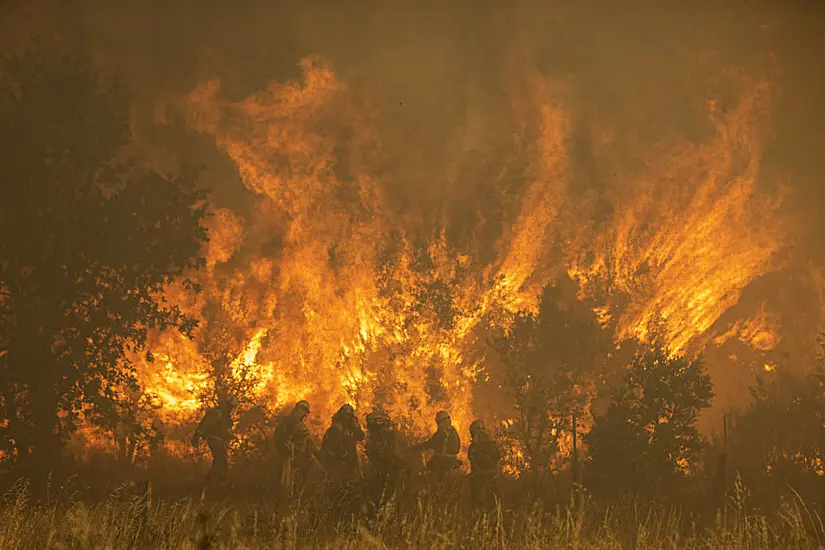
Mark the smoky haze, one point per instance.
(442, 78)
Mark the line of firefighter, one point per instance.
(338, 455)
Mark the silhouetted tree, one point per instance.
(88, 241)
(549, 358)
(780, 441)
(647, 441)
(221, 341)
(128, 419)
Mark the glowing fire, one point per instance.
(693, 235)
(326, 293)
(761, 332)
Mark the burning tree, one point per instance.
(646, 441)
(222, 343)
(88, 241)
(549, 357)
(229, 353)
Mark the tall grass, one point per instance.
(129, 518)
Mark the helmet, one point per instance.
(477, 426)
(378, 418)
(302, 404)
(346, 410)
(441, 416)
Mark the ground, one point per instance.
(132, 516)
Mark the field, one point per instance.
(128, 518)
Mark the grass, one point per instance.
(126, 518)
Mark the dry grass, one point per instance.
(128, 519)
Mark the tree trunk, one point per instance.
(31, 367)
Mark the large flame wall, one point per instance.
(331, 287)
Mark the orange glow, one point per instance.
(332, 312)
(693, 233)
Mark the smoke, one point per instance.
(540, 137)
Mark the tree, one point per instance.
(780, 441)
(549, 357)
(221, 342)
(128, 419)
(88, 242)
(647, 439)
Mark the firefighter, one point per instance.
(216, 429)
(339, 453)
(294, 446)
(383, 454)
(484, 457)
(445, 444)
(289, 427)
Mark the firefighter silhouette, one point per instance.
(484, 455)
(295, 448)
(216, 428)
(339, 453)
(384, 456)
(445, 444)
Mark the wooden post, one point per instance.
(575, 464)
(725, 451)
(723, 466)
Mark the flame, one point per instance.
(176, 376)
(693, 234)
(326, 329)
(324, 291)
(814, 464)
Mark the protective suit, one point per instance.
(485, 456)
(216, 428)
(445, 444)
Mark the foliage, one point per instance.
(420, 285)
(221, 343)
(130, 420)
(780, 439)
(549, 358)
(646, 441)
(88, 240)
